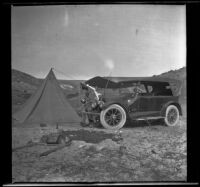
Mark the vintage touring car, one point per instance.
(115, 101)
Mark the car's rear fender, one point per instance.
(171, 103)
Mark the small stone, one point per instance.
(108, 143)
(124, 176)
(153, 152)
(114, 164)
(99, 147)
(81, 144)
(67, 139)
(146, 161)
(140, 173)
(160, 167)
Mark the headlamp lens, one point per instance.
(83, 101)
(94, 105)
(101, 104)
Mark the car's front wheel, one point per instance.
(171, 115)
(113, 117)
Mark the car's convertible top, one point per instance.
(123, 82)
(149, 79)
(102, 82)
(119, 82)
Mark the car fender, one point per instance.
(170, 103)
(107, 104)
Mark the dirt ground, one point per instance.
(144, 153)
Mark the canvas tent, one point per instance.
(47, 105)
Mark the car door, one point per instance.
(147, 106)
(161, 95)
(145, 103)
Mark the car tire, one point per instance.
(114, 117)
(171, 116)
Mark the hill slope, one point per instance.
(179, 74)
(18, 76)
(23, 86)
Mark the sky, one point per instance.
(82, 41)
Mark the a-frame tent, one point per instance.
(48, 105)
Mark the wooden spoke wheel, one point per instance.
(113, 117)
(171, 115)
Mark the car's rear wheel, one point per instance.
(113, 117)
(171, 115)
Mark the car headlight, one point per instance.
(83, 101)
(101, 103)
(94, 104)
(129, 100)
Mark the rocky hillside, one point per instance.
(21, 77)
(179, 74)
(23, 86)
(27, 83)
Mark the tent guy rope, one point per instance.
(67, 76)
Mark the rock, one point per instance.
(183, 168)
(160, 167)
(146, 145)
(132, 164)
(51, 178)
(117, 138)
(99, 147)
(81, 144)
(170, 162)
(153, 151)
(97, 157)
(67, 139)
(123, 157)
(138, 172)
(114, 164)
(108, 143)
(146, 162)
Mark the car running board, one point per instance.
(150, 118)
(94, 113)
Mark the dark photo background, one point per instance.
(192, 14)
